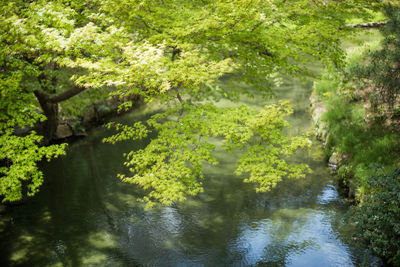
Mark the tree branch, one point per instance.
(180, 101)
(67, 94)
(42, 97)
(175, 52)
(373, 24)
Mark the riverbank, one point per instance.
(356, 131)
(71, 128)
(356, 114)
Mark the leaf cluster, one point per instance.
(19, 155)
(169, 168)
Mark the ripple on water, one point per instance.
(329, 194)
(293, 237)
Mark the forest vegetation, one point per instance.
(59, 57)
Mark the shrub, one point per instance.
(377, 219)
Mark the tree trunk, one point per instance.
(49, 105)
(50, 110)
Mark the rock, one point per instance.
(317, 111)
(63, 131)
(19, 131)
(89, 115)
(334, 160)
(81, 134)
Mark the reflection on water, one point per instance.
(84, 216)
(328, 195)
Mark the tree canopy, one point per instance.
(170, 50)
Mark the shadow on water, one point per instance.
(67, 224)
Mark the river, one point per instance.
(85, 216)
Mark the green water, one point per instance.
(85, 216)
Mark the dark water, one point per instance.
(85, 216)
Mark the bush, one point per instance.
(377, 219)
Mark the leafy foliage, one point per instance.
(19, 154)
(255, 38)
(355, 129)
(197, 42)
(170, 167)
(37, 40)
(378, 218)
(358, 130)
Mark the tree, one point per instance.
(382, 69)
(170, 167)
(43, 42)
(250, 40)
(44, 52)
(174, 51)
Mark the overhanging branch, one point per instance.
(67, 94)
(373, 24)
